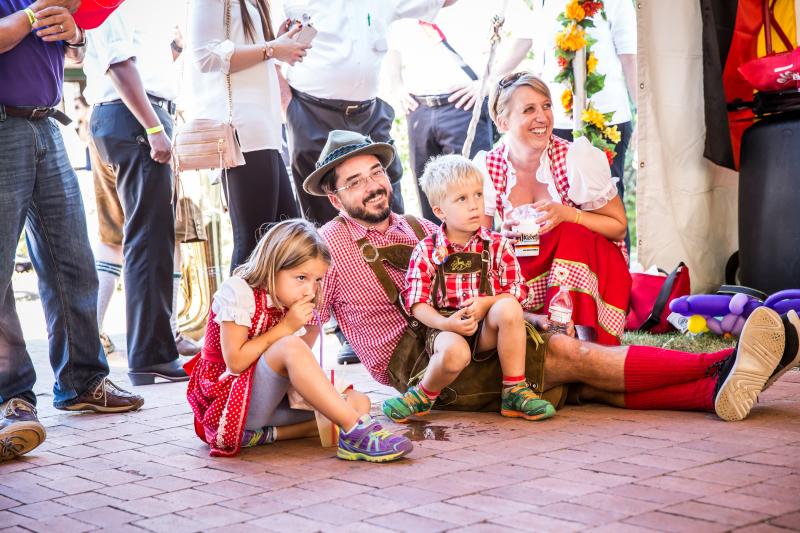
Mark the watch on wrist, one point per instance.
(79, 44)
(269, 51)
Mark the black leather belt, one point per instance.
(166, 105)
(342, 106)
(432, 100)
(34, 113)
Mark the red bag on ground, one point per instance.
(650, 297)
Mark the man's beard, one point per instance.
(359, 212)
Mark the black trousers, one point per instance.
(258, 193)
(441, 130)
(617, 165)
(145, 192)
(308, 125)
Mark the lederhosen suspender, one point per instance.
(398, 255)
(465, 263)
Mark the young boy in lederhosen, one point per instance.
(464, 283)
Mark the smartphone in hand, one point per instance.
(306, 34)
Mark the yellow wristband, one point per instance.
(31, 15)
(155, 129)
(578, 214)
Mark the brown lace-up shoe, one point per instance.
(20, 430)
(103, 396)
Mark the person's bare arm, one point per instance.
(13, 28)
(125, 77)
(514, 52)
(394, 71)
(628, 62)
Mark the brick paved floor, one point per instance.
(590, 468)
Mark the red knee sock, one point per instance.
(695, 395)
(648, 368)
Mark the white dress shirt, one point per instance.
(256, 95)
(429, 68)
(615, 36)
(590, 183)
(345, 59)
(132, 31)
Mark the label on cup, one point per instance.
(527, 244)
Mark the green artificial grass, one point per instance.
(704, 342)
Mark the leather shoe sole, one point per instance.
(19, 438)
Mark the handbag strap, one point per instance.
(661, 299)
(228, 74)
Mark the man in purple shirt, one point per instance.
(40, 190)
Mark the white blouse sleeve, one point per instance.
(590, 183)
(234, 302)
(211, 52)
(489, 193)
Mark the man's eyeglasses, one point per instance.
(359, 182)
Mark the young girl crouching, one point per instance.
(252, 354)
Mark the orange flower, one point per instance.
(610, 154)
(566, 100)
(572, 38)
(574, 11)
(562, 62)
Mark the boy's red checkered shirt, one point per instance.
(504, 272)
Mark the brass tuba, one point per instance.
(201, 263)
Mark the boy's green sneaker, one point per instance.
(520, 401)
(413, 402)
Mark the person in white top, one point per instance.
(131, 83)
(258, 192)
(434, 71)
(575, 202)
(336, 87)
(615, 50)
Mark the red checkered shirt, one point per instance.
(371, 323)
(504, 272)
(497, 168)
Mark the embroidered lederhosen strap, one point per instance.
(398, 255)
(465, 263)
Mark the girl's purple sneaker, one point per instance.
(368, 441)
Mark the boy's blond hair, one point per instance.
(287, 244)
(445, 171)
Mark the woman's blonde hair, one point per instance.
(508, 85)
(287, 244)
(444, 172)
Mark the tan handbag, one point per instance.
(204, 143)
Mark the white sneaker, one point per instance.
(744, 373)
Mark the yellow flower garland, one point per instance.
(575, 19)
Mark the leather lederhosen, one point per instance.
(477, 388)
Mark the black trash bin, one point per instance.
(769, 196)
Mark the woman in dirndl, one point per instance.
(581, 218)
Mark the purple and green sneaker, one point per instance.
(368, 441)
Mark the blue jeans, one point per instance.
(39, 189)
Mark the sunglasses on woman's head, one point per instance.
(507, 81)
